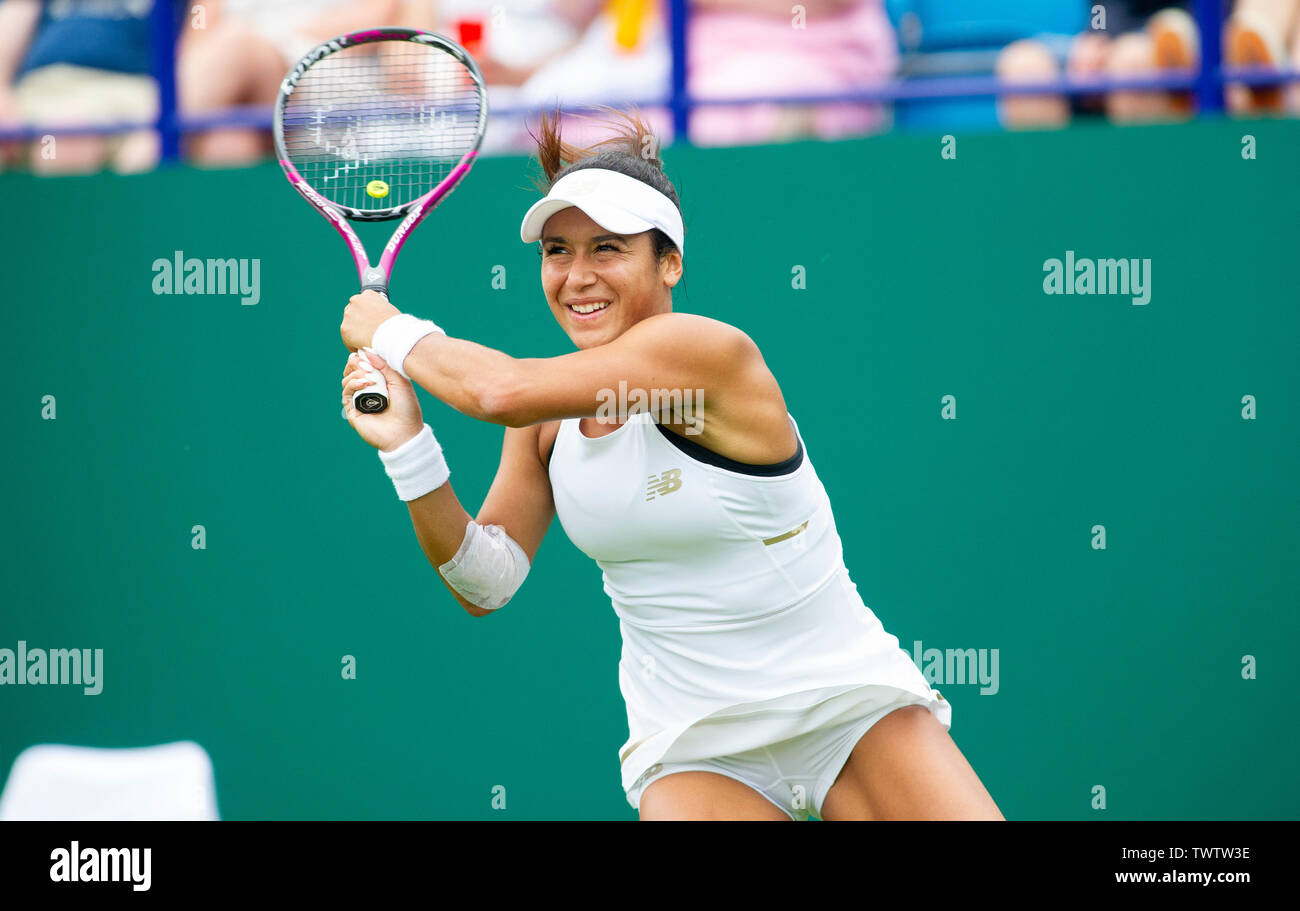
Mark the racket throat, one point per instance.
(374, 280)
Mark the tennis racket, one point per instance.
(379, 125)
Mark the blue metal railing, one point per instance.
(679, 100)
(1207, 84)
(162, 52)
(1209, 88)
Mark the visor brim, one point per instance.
(608, 217)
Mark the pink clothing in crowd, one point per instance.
(736, 54)
(732, 54)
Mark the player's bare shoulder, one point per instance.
(700, 340)
(691, 327)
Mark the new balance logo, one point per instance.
(663, 484)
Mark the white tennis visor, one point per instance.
(616, 202)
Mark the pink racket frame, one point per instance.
(376, 277)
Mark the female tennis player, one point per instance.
(758, 684)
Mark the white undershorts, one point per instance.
(795, 774)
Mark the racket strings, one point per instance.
(391, 111)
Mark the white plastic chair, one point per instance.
(172, 781)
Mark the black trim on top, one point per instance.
(709, 457)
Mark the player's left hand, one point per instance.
(362, 316)
(399, 422)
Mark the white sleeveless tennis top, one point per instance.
(740, 625)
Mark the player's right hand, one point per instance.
(395, 425)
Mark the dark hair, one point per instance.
(633, 151)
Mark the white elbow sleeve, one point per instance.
(489, 567)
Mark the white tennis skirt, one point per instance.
(824, 662)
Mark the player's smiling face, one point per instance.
(599, 283)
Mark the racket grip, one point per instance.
(374, 398)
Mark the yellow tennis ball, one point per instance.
(377, 188)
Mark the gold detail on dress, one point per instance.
(789, 534)
(628, 752)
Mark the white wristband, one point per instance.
(417, 466)
(397, 335)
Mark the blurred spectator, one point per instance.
(762, 47)
(512, 40)
(1263, 33)
(236, 52)
(79, 62)
(618, 50)
(1169, 40)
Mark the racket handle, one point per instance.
(374, 398)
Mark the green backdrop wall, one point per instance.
(1119, 667)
